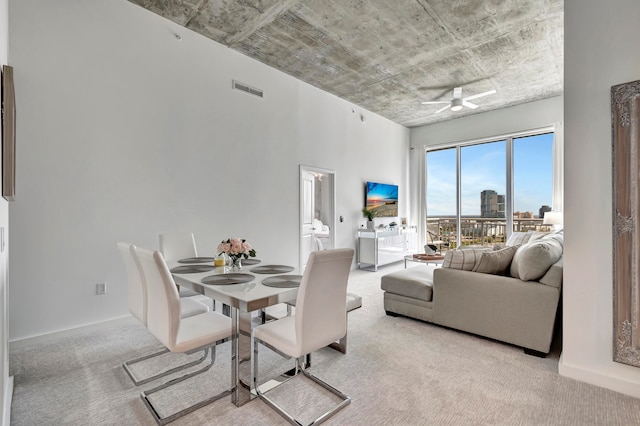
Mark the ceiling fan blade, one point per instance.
(434, 102)
(469, 104)
(442, 109)
(457, 92)
(479, 95)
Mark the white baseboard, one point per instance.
(6, 404)
(48, 337)
(609, 380)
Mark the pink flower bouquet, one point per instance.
(236, 248)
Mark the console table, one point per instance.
(381, 247)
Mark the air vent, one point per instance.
(248, 89)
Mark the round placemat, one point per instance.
(250, 262)
(272, 269)
(196, 260)
(191, 269)
(284, 281)
(225, 279)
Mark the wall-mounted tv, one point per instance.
(382, 198)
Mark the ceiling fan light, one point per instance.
(456, 104)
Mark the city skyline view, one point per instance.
(483, 167)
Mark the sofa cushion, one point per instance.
(532, 260)
(464, 259)
(416, 282)
(553, 277)
(495, 262)
(518, 238)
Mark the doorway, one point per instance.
(317, 211)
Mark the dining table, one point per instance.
(247, 292)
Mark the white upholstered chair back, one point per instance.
(321, 303)
(175, 246)
(136, 289)
(163, 301)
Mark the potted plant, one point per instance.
(370, 214)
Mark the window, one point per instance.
(477, 193)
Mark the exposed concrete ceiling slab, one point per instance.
(390, 55)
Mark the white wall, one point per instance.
(6, 384)
(518, 118)
(601, 50)
(126, 131)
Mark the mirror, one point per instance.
(625, 123)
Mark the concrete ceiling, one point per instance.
(388, 56)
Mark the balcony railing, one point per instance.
(476, 231)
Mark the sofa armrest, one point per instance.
(504, 308)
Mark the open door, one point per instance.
(306, 216)
(317, 211)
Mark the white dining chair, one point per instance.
(181, 245)
(319, 320)
(137, 301)
(354, 301)
(178, 334)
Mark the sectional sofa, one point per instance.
(510, 294)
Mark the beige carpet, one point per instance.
(398, 371)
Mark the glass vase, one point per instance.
(236, 264)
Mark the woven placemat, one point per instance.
(196, 260)
(284, 281)
(226, 279)
(246, 262)
(191, 269)
(272, 269)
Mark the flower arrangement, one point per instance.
(236, 248)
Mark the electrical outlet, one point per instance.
(101, 288)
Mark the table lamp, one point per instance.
(553, 218)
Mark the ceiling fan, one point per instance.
(458, 102)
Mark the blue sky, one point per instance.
(484, 167)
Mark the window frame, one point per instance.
(557, 171)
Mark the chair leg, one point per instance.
(136, 381)
(299, 367)
(164, 420)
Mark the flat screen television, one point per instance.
(382, 198)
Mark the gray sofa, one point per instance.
(498, 306)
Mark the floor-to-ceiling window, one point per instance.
(478, 192)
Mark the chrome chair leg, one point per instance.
(301, 365)
(164, 420)
(136, 381)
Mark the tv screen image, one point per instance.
(382, 198)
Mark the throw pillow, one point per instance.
(536, 235)
(533, 260)
(495, 262)
(462, 259)
(517, 238)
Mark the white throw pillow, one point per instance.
(518, 238)
(536, 235)
(533, 260)
(463, 259)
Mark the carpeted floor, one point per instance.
(397, 371)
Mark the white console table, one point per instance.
(381, 247)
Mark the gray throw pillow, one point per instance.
(533, 260)
(495, 262)
(462, 259)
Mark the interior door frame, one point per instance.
(331, 208)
